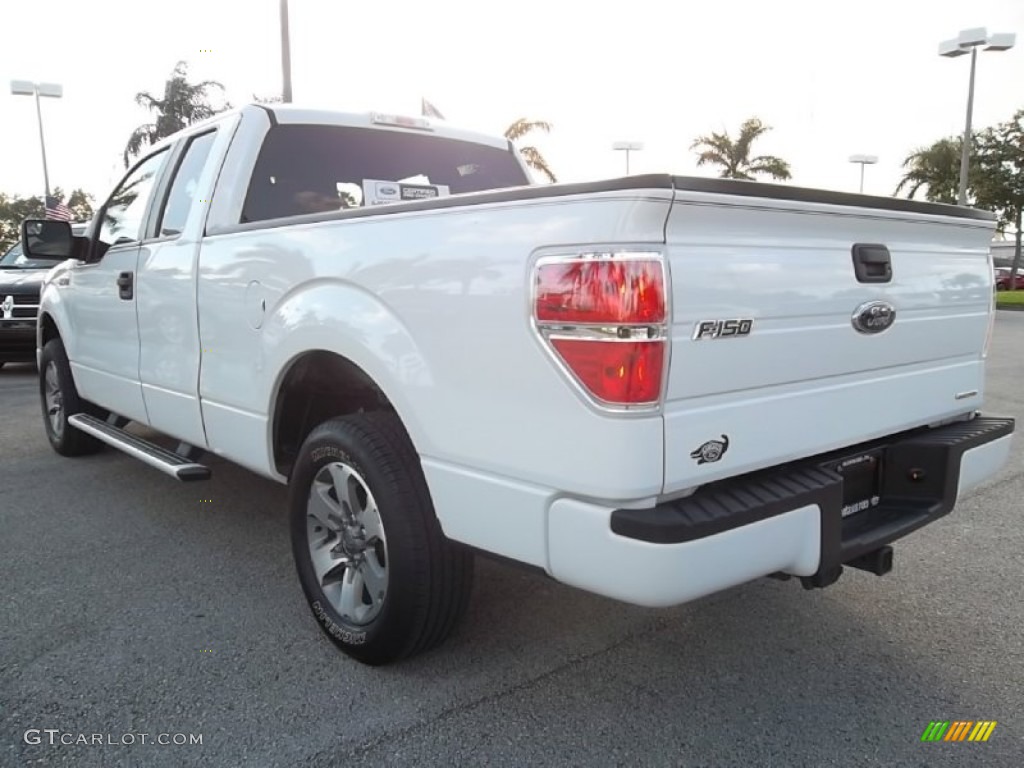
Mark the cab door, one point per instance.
(166, 283)
(103, 346)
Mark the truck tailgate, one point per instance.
(805, 380)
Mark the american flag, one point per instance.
(55, 209)
(429, 110)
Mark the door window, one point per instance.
(125, 212)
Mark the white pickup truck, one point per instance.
(652, 388)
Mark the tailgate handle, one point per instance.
(872, 263)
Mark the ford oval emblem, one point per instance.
(874, 317)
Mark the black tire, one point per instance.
(65, 439)
(428, 578)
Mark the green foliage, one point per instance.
(999, 178)
(934, 169)
(80, 202)
(734, 155)
(14, 209)
(531, 155)
(999, 169)
(995, 177)
(183, 103)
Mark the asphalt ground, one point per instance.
(130, 605)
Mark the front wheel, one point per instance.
(378, 573)
(59, 399)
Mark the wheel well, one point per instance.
(49, 329)
(319, 386)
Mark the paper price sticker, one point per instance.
(378, 192)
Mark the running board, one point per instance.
(168, 462)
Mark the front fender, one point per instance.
(52, 304)
(342, 318)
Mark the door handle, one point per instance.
(125, 282)
(872, 263)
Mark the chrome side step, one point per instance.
(168, 462)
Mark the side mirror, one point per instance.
(47, 239)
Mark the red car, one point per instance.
(1002, 278)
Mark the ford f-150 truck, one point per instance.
(653, 388)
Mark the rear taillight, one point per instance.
(603, 316)
(602, 291)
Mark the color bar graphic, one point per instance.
(958, 730)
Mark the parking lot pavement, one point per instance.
(133, 606)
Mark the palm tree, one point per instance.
(936, 168)
(734, 155)
(531, 155)
(183, 103)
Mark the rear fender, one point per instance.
(338, 317)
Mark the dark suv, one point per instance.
(20, 281)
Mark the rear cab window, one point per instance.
(304, 169)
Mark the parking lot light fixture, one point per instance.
(863, 160)
(968, 41)
(48, 90)
(627, 147)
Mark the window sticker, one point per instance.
(379, 192)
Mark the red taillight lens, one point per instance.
(615, 371)
(601, 291)
(621, 361)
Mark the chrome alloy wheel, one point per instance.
(54, 399)
(347, 543)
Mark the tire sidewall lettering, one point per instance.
(336, 630)
(322, 454)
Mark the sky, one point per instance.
(831, 78)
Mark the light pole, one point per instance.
(50, 90)
(863, 160)
(286, 56)
(968, 41)
(627, 147)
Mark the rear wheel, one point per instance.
(379, 576)
(60, 400)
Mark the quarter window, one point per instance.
(185, 185)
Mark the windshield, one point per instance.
(313, 168)
(15, 259)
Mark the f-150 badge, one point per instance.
(711, 451)
(723, 329)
